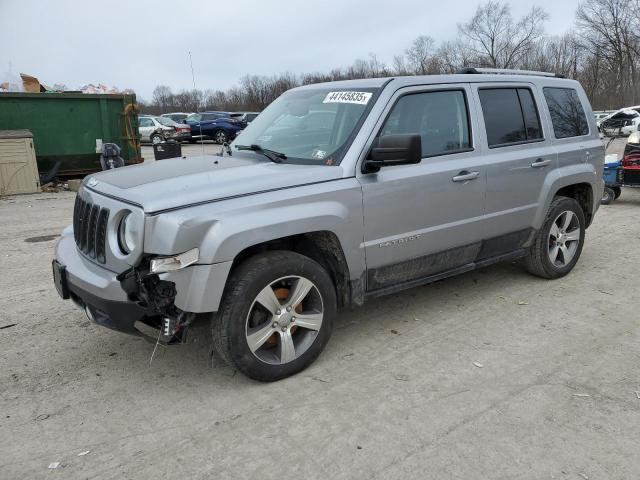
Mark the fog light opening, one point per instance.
(87, 312)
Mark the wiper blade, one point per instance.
(275, 157)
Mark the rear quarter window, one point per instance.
(567, 115)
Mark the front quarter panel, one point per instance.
(223, 229)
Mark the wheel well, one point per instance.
(583, 194)
(322, 247)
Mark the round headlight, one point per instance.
(127, 234)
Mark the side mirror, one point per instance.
(389, 150)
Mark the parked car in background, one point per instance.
(216, 126)
(176, 116)
(246, 117)
(622, 122)
(158, 129)
(603, 115)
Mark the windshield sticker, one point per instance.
(359, 98)
(319, 154)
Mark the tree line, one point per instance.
(602, 51)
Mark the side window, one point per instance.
(440, 118)
(567, 114)
(530, 114)
(510, 116)
(145, 122)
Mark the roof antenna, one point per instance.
(193, 79)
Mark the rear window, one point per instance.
(510, 116)
(567, 115)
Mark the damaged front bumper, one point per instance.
(134, 302)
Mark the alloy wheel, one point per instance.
(284, 320)
(564, 238)
(221, 137)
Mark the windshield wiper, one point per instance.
(275, 157)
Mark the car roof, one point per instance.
(411, 80)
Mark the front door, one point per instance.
(424, 219)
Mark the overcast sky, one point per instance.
(139, 44)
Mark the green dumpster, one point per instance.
(70, 127)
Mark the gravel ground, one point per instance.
(493, 374)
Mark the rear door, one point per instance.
(209, 123)
(520, 155)
(423, 219)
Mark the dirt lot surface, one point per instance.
(494, 374)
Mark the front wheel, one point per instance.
(220, 137)
(276, 316)
(558, 244)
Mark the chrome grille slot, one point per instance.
(91, 231)
(101, 235)
(90, 228)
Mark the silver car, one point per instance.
(158, 129)
(399, 183)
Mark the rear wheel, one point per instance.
(156, 138)
(220, 137)
(559, 242)
(617, 191)
(607, 196)
(276, 315)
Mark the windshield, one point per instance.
(310, 125)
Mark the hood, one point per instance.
(180, 182)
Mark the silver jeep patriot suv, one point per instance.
(336, 193)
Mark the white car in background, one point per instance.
(158, 129)
(600, 116)
(623, 122)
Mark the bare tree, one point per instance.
(497, 40)
(609, 31)
(419, 56)
(162, 97)
(603, 53)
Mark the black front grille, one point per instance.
(90, 228)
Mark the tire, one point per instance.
(156, 138)
(192, 140)
(220, 137)
(557, 240)
(607, 196)
(617, 191)
(281, 345)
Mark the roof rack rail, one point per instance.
(506, 71)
